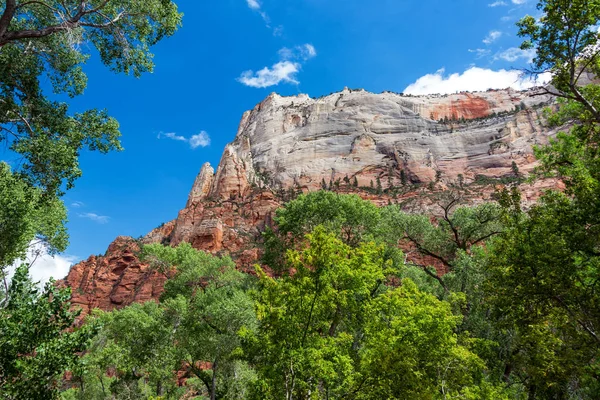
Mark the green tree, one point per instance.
(333, 330)
(308, 319)
(543, 274)
(35, 346)
(544, 268)
(24, 215)
(194, 330)
(457, 230)
(209, 296)
(136, 344)
(351, 217)
(47, 41)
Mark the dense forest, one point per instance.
(336, 310)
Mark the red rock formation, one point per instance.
(470, 107)
(114, 280)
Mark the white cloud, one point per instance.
(101, 219)
(77, 204)
(514, 53)
(256, 6)
(43, 265)
(253, 4)
(480, 52)
(497, 4)
(283, 71)
(172, 135)
(492, 37)
(308, 51)
(200, 140)
(303, 52)
(472, 80)
(519, 1)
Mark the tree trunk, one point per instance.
(531, 394)
(213, 388)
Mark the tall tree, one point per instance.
(348, 216)
(332, 329)
(544, 269)
(47, 40)
(194, 329)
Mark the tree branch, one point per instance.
(7, 16)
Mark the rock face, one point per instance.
(114, 280)
(299, 141)
(286, 145)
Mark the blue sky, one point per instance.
(230, 54)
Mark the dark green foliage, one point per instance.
(515, 169)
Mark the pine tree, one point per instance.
(403, 179)
(515, 169)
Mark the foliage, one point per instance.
(333, 330)
(45, 41)
(35, 347)
(458, 230)
(542, 285)
(351, 217)
(25, 214)
(194, 329)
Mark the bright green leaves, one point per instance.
(35, 346)
(412, 333)
(330, 329)
(26, 214)
(348, 216)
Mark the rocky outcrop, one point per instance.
(387, 147)
(202, 185)
(114, 280)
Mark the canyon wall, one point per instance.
(352, 142)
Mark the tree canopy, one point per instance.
(49, 40)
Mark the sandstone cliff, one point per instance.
(409, 145)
